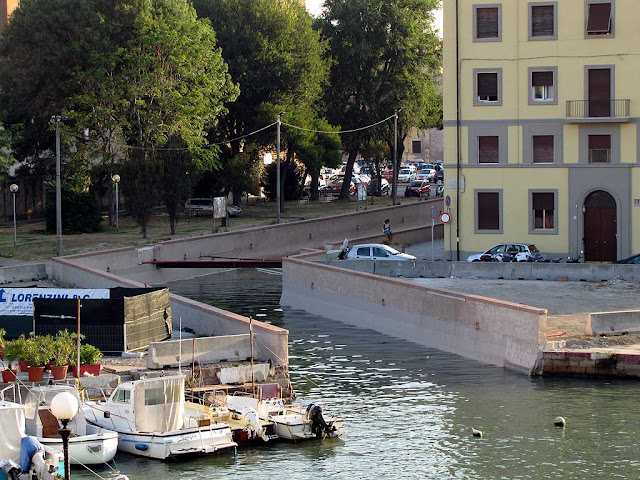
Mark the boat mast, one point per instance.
(78, 342)
(253, 384)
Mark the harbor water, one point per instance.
(409, 410)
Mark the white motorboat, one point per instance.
(291, 422)
(87, 446)
(150, 418)
(21, 456)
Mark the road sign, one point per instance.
(433, 212)
(447, 200)
(445, 218)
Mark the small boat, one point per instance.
(291, 422)
(246, 427)
(87, 446)
(22, 456)
(150, 418)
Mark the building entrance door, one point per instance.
(600, 227)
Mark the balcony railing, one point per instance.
(599, 109)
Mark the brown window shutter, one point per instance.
(543, 201)
(488, 150)
(599, 142)
(488, 23)
(599, 22)
(416, 146)
(542, 21)
(488, 211)
(488, 84)
(542, 79)
(542, 148)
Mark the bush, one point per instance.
(89, 355)
(293, 183)
(80, 212)
(36, 351)
(63, 348)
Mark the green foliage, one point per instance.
(13, 350)
(292, 181)
(89, 355)
(3, 342)
(141, 176)
(63, 348)
(80, 212)
(36, 350)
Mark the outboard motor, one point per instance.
(250, 416)
(318, 425)
(11, 469)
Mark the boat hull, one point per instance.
(87, 449)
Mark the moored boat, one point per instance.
(151, 421)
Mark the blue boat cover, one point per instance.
(29, 446)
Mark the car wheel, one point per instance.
(476, 260)
(420, 194)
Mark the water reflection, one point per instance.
(410, 409)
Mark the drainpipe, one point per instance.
(458, 154)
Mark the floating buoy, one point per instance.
(560, 422)
(476, 433)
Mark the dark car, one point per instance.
(635, 260)
(372, 188)
(418, 188)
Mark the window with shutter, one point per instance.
(487, 23)
(488, 149)
(542, 86)
(599, 148)
(542, 21)
(599, 21)
(487, 85)
(488, 207)
(542, 146)
(543, 210)
(416, 146)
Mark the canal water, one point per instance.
(409, 409)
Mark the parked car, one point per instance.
(204, 206)
(521, 252)
(405, 175)
(387, 175)
(426, 174)
(376, 251)
(372, 188)
(418, 188)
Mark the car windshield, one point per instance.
(533, 249)
(416, 184)
(391, 250)
(405, 171)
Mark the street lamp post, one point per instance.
(278, 169)
(57, 119)
(14, 190)
(64, 406)
(116, 180)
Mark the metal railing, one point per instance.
(598, 108)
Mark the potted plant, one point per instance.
(89, 360)
(3, 332)
(63, 346)
(12, 351)
(36, 352)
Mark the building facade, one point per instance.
(6, 9)
(426, 145)
(542, 125)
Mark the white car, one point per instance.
(376, 251)
(523, 252)
(405, 175)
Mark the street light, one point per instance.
(57, 119)
(116, 180)
(14, 190)
(64, 406)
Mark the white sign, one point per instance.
(19, 301)
(636, 202)
(362, 192)
(220, 207)
(445, 217)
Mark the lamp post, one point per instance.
(57, 119)
(116, 180)
(64, 406)
(14, 190)
(278, 168)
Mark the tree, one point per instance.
(386, 56)
(276, 56)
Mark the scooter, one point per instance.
(440, 191)
(575, 259)
(344, 249)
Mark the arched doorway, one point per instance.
(600, 227)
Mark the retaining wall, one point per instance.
(23, 273)
(614, 323)
(201, 350)
(600, 363)
(483, 329)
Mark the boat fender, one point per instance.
(143, 447)
(107, 414)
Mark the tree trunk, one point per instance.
(284, 168)
(143, 228)
(172, 223)
(110, 198)
(315, 182)
(348, 173)
(237, 196)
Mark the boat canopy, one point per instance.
(12, 429)
(159, 404)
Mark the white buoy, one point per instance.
(560, 422)
(476, 433)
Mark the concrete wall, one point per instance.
(23, 273)
(487, 330)
(271, 341)
(615, 323)
(201, 350)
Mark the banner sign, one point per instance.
(19, 301)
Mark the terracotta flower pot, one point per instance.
(8, 376)
(35, 373)
(59, 373)
(91, 369)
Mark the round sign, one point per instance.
(447, 201)
(433, 212)
(445, 217)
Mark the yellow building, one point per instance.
(541, 116)
(6, 9)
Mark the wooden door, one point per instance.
(600, 227)
(599, 92)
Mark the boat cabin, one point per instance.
(39, 420)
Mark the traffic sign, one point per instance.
(433, 212)
(445, 218)
(447, 200)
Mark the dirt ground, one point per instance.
(568, 303)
